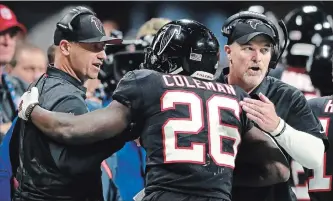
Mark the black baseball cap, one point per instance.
(246, 30)
(87, 28)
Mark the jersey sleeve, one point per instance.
(247, 124)
(303, 119)
(128, 92)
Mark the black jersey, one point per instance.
(317, 183)
(190, 130)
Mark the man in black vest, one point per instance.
(48, 170)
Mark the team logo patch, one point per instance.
(98, 24)
(165, 37)
(195, 56)
(254, 23)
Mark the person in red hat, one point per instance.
(9, 29)
(10, 88)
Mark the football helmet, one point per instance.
(307, 26)
(183, 47)
(321, 67)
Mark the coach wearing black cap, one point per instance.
(47, 170)
(253, 46)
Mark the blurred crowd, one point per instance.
(306, 65)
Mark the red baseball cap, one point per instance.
(8, 19)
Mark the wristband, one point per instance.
(29, 110)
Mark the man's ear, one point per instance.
(227, 50)
(65, 47)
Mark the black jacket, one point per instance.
(52, 171)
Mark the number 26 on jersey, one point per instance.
(217, 131)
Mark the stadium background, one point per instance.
(130, 15)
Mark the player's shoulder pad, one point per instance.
(142, 73)
(138, 74)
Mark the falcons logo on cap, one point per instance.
(98, 24)
(165, 37)
(254, 23)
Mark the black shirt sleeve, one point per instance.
(128, 91)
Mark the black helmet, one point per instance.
(184, 47)
(321, 67)
(307, 26)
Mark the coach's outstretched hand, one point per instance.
(28, 101)
(261, 112)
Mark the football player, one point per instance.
(307, 26)
(316, 184)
